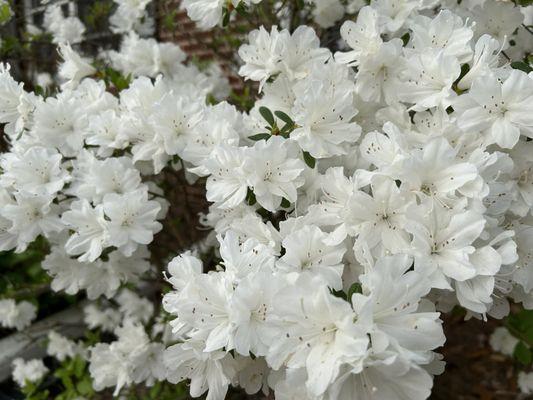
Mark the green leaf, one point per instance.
(520, 324)
(67, 382)
(260, 136)
(84, 387)
(79, 366)
(285, 203)
(338, 293)
(522, 320)
(98, 15)
(169, 20)
(115, 78)
(244, 100)
(5, 13)
(284, 117)
(155, 390)
(225, 16)
(355, 288)
(267, 115)
(93, 337)
(241, 9)
(522, 66)
(250, 197)
(309, 159)
(29, 388)
(464, 70)
(286, 130)
(405, 38)
(522, 353)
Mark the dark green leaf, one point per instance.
(464, 70)
(522, 353)
(260, 136)
(285, 203)
(355, 288)
(250, 197)
(241, 9)
(522, 320)
(338, 293)
(522, 66)
(520, 324)
(284, 117)
(405, 38)
(309, 159)
(267, 115)
(93, 337)
(287, 128)
(225, 16)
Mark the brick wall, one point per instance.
(201, 44)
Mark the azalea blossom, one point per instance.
(301, 238)
(501, 110)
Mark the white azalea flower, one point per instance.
(16, 315)
(323, 131)
(272, 172)
(91, 230)
(37, 171)
(74, 67)
(502, 111)
(442, 245)
(132, 219)
(362, 36)
(306, 251)
(30, 371)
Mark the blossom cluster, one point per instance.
(367, 190)
(81, 172)
(28, 371)
(64, 29)
(392, 183)
(128, 16)
(16, 315)
(79, 165)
